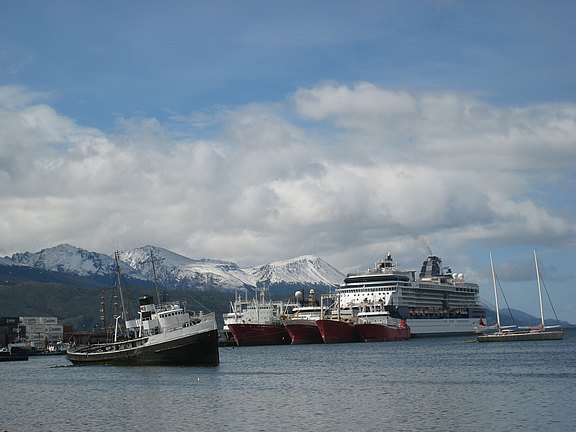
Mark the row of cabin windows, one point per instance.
(459, 289)
(469, 290)
(363, 294)
(388, 287)
(170, 314)
(365, 289)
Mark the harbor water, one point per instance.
(428, 384)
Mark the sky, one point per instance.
(258, 131)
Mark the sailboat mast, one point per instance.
(539, 291)
(495, 291)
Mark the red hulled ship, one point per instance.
(382, 332)
(337, 331)
(256, 322)
(253, 334)
(301, 325)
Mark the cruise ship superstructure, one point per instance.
(438, 302)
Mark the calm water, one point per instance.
(445, 384)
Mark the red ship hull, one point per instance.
(333, 331)
(382, 332)
(260, 334)
(303, 332)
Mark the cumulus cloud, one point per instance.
(344, 172)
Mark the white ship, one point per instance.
(436, 303)
(161, 334)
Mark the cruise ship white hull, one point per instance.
(443, 326)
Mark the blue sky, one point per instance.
(257, 131)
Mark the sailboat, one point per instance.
(541, 332)
(161, 334)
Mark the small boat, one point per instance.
(22, 346)
(57, 348)
(163, 334)
(540, 332)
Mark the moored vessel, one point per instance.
(258, 321)
(381, 323)
(301, 324)
(540, 332)
(438, 302)
(255, 334)
(337, 331)
(162, 334)
(22, 347)
(7, 355)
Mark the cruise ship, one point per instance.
(437, 303)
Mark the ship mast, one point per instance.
(153, 260)
(119, 285)
(495, 292)
(539, 291)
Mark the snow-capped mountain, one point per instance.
(177, 271)
(65, 258)
(301, 270)
(174, 271)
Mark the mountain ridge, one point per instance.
(176, 271)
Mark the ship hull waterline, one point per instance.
(200, 349)
(372, 332)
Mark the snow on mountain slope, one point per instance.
(65, 258)
(6, 261)
(175, 271)
(179, 271)
(302, 270)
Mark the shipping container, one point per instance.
(54, 336)
(35, 328)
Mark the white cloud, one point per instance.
(351, 173)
